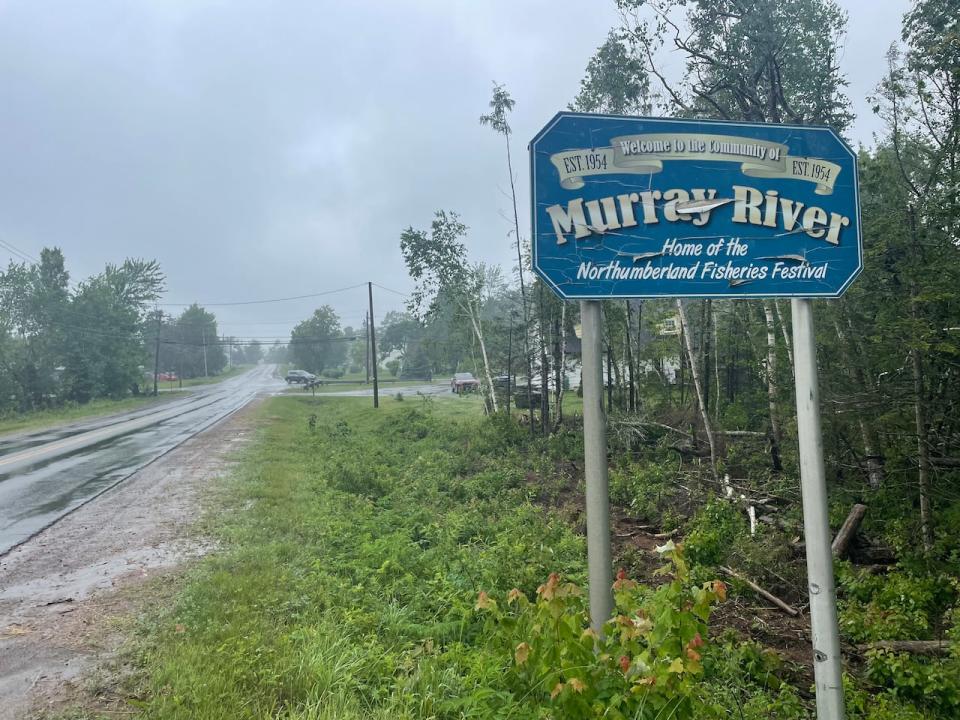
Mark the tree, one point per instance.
(616, 80)
(105, 361)
(317, 343)
(201, 352)
(57, 345)
(437, 261)
(761, 60)
(501, 104)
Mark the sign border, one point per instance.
(531, 147)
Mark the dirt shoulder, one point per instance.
(64, 593)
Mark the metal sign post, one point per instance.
(827, 668)
(599, 564)
(628, 207)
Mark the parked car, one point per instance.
(299, 377)
(463, 383)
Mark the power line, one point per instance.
(261, 302)
(395, 292)
(17, 251)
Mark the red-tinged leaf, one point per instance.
(522, 653)
(485, 602)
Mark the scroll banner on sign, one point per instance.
(645, 155)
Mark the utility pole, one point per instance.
(203, 335)
(156, 354)
(373, 350)
(366, 346)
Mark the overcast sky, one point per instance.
(265, 149)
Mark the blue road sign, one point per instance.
(645, 207)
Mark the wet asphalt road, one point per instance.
(46, 474)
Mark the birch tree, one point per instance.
(437, 262)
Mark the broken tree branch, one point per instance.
(768, 596)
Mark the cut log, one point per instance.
(916, 647)
(841, 542)
(768, 596)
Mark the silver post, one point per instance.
(599, 564)
(816, 529)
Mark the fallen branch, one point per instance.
(917, 647)
(668, 534)
(770, 597)
(841, 543)
(634, 531)
(649, 423)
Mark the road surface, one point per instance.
(46, 474)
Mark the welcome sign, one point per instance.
(643, 207)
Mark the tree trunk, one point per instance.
(849, 528)
(562, 360)
(523, 289)
(923, 452)
(684, 325)
(786, 335)
(617, 380)
(632, 401)
(478, 331)
(875, 469)
(705, 338)
(544, 367)
(716, 360)
(772, 387)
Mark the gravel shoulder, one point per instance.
(65, 593)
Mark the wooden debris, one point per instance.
(841, 543)
(770, 597)
(668, 534)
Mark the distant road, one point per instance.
(46, 474)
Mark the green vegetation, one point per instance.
(62, 346)
(347, 589)
(68, 413)
(233, 371)
(421, 562)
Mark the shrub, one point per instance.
(646, 664)
(713, 532)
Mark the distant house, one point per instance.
(669, 326)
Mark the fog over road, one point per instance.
(46, 474)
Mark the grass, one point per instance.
(346, 582)
(95, 408)
(352, 547)
(387, 385)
